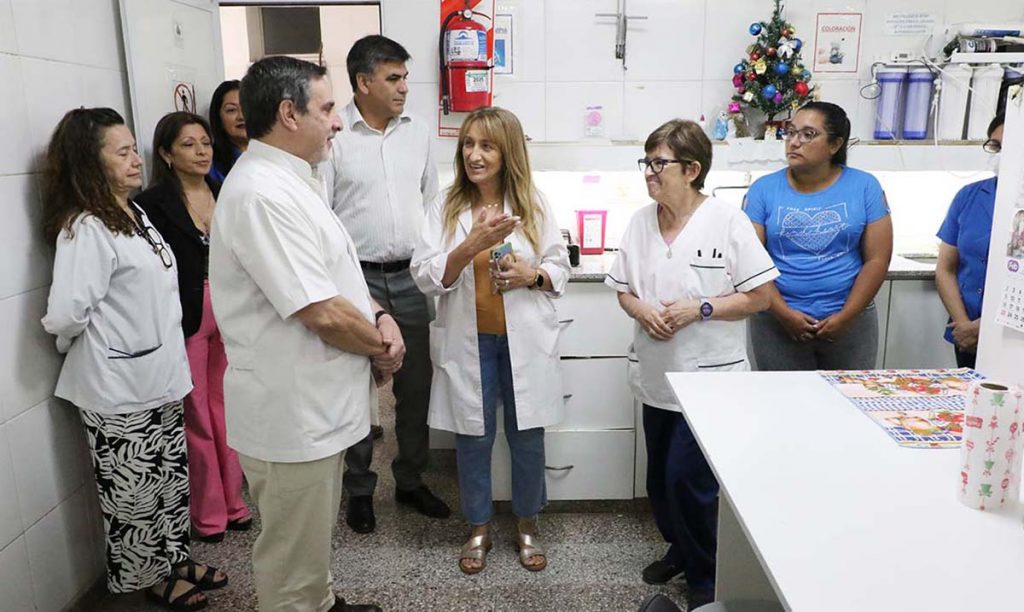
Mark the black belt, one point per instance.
(387, 266)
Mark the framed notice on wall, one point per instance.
(837, 42)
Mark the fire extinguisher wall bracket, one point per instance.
(465, 63)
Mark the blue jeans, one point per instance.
(473, 453)
(683, 493)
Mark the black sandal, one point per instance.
(241, 524)
(206, 582)
(179, 603)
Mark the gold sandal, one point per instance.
(528, 547)
(475, 549)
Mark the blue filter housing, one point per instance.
(918, 104)
(892, 80)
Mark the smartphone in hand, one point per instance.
(496, 254)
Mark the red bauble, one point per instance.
(755, 56)
(771, 51)
(801, 89)
(751, 76)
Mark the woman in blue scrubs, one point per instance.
(963, 255)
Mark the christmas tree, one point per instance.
(772, 77)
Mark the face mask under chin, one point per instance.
(993, 163)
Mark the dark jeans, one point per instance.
(855, 349)
(964, 359)
(397, 293)
(683, 493)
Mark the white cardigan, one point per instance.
(115, 310)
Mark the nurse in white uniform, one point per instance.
(496, 332)
(689, 269)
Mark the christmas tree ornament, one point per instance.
(782, 68)
(755, 29)
(760, 66)
(796, 70)
(801, 89)
(734, 107)
(738, 68)
(770, 52)
(798, 44)
(768, 91)
(778, 97)
(748, 96)
(786, 48)
(754, 56)
(737, 80)
(795, 104)
(751, 76)
(806, 75)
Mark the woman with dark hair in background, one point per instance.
(828, 229)
(963, 255)
(227, 125)
(113, 311)
(180, 202)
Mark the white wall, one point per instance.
(54, 55)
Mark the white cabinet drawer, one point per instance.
(580, 465)
(592, 323)
(597, 394)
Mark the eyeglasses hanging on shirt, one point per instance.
(150, 235)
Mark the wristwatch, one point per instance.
(706, 309)
(539, 283)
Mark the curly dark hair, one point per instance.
(73, 178)
(223, 148)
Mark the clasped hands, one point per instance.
(802, 327)
(385, 364)
(673, 316)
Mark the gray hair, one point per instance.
(371, 51)
(269, 82)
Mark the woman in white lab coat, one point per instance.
(495, 336)
(114, 308)
(689, 269)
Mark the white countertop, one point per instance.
(841, 517)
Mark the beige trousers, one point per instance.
(298, 506)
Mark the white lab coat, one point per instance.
(716, 254)
(456, 399)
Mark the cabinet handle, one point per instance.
(565, 321)
(567, 396)
(559, 468)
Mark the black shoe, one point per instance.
(660, 572)
(423, 501)
(359, 515)
(377, 432)
(213, 538)
(341, 606)
(698, 598)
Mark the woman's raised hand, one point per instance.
(489, 230)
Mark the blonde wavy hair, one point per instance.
(502, 128)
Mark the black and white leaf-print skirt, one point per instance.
(141, 472)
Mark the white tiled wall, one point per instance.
(679, 61)
(55, 55)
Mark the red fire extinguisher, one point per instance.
(465, 62)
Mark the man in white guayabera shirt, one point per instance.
(304, 338)
(380, 178)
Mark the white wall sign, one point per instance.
(837, 42)
(504, 58)
(910, 24)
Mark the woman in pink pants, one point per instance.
(179, 202)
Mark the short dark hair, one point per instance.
(166, 132)
(370, 52)
(271, 81)
(687, 141)
(837, 125)
(223, 153)
(997, 122)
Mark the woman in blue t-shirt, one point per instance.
(827, 227)
(963, 255)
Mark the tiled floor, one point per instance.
(595, 554)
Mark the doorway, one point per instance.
(321, 33)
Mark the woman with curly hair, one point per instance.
(114, 310)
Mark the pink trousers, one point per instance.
(215, 475)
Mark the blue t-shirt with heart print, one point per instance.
(814, 238)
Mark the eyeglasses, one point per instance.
(992, 146)
(804, 136)
(658, 164)
(156, 243)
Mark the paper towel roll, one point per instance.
(990, 452)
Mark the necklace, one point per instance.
(493, 205)
(201, 218)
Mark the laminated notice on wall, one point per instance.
(476, 81)
(504, 57)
